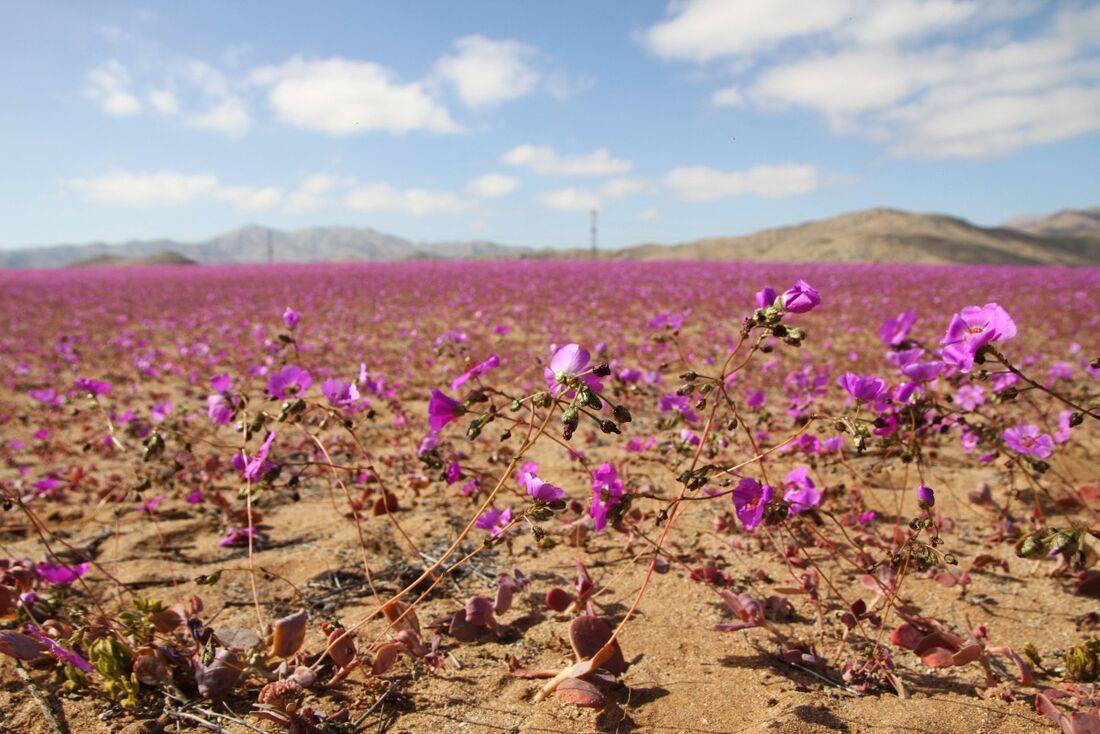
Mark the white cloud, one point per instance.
(699, 183)
(578, 199)
(313, 192)
(929, 78)
(210, 81)
(650, 215)
(171, 188)
(617, 188)
(543, 160)
(492, 185)
(342, 97)
(570, 199)
(228, 116)
(417, 202)
(164, 102)
(486, 72)
(898, 20)
(136, 188)
(251, 198)
(727, 97)
(702, 30)
(110, 86)
(1014, 94)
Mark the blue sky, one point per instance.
(510, 121)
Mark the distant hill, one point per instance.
(165, 257)
(883, 235)
(1070, 238)
(250, 244)
(1065, 223)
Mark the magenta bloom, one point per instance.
(442, 410)
(57, 574)
(46, 395)
(219, 410)
(607, 491)
(863, 388)
(160, 411)
(291, 317)
(542, 491)
(568, 363)
(259, 466)
(925, 496)
(340, 393)
(237, 537)
(221, 383)
(971, 329)
(765, 297)
(95, 387)
(1026, 439)
(895, 331)
(750, 499)
(494, 520)
(801, 297)
(476, 371)
(57, 652)
(801, 492)
(922, 371)
(288, 382)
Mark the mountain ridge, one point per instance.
(1070, 237)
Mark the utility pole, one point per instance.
(594, 233)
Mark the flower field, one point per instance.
(550, 496)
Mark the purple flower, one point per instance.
(674, 321)
(454, 472)
(476, 371)
(895, 331)
(193, 497)
(765, 297)
(542, 491)
(801, 492)
(1026, 439)
(754, 399)
(58, 652)
(219, 410)
(442, 410)
(494, 520)
(567, 365)
(340, 393)
(922, 371)
(925, 496)
(47, 395)
(801, 297)
(971, 329)
(259, 466)
(237, 537)
(58, 575)
(160, 411)
(288, 382)
(863, 388)
(750, 499)
(94, 387)
(607, 491)
(969, 396)
(221, 383)
(291, 317)
(151, 506)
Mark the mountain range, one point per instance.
(1068, 237)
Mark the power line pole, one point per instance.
(594, 233)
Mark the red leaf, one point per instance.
(580, 693)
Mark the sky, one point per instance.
(512, 121)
